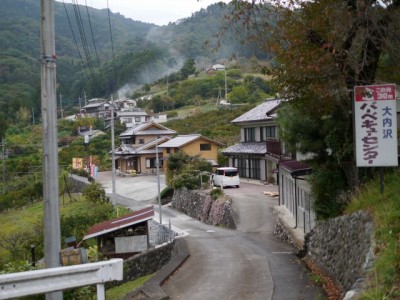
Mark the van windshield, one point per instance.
(231, 173)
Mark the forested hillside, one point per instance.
(99, 52)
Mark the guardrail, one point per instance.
(57, 279)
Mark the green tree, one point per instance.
(188, 68)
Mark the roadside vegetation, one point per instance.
(384, 278)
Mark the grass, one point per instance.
(384, 278)
(118, 292)
(33, 214)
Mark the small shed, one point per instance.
(124, 236)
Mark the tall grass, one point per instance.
(384, 278)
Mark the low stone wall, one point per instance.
(199, 205)
(147, 262)
(343, 248)
(77, 183)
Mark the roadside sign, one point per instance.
(375, 125)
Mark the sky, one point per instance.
(159, 12)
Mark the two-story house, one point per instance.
(138, 150)
(133, 117)
(257, 126)
(98, 108)
(193, 145)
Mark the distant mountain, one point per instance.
(95, 61)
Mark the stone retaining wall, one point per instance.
(146, 262)
(199, 205)
(343, 248)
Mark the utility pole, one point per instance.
(4, 164)
(112, 151)
(52, 233)
(61, 109)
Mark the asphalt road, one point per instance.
(247, 263)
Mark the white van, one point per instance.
(226, 176)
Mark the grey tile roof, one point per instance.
(143, 129)
(180, 140)
(259, 113)
(247, 148)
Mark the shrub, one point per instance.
(328, 184)
(94, 192)
(216, 193)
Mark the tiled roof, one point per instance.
(182, 140)
(133, 218)
(259, 113)
(126, 149)
(143, 129)
(247, 148)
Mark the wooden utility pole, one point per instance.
(52, 233)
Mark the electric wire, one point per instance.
(83, 39)
(94, 43)
(112, 49)
(75, 41)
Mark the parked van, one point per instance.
(226, 176)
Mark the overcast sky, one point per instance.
(159, 12)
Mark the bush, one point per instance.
(94, 192)
(328, 184)
(216, 193)
(167, 192)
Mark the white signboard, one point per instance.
(376, 125)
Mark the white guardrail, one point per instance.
(57, 279)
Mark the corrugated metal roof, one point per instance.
(259, 113)
(247, 148)
(296, 167)
(133, 218)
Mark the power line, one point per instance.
(112, 46)
(76, 43)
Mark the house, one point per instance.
(133, 117)
(98, 108)
(159, 118)
(193, 145)
(124, 236)
(125, 104)
(295, 194)
(257, 128)
(138, 150)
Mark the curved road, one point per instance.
(247, 263)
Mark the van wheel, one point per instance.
(238, 186)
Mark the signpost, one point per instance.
(376, 126)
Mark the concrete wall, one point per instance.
(199, 205)
(343, 247)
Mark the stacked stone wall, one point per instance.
(343, 247)
(199, 205)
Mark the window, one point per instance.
(137, 119)
(128, 120)
(141, 141)
(268, 132)
(249, 134)
(151, 163)
(205, 147)
(168, 150)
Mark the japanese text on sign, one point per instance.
(376, 125)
